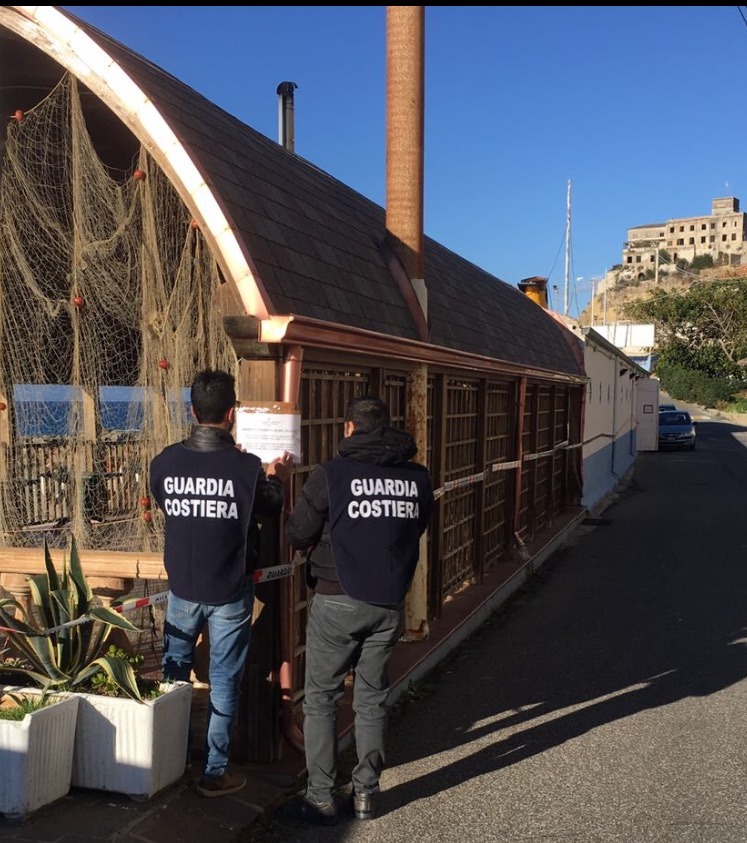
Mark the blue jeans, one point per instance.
(229, 629)
(343, 633)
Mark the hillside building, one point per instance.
(721, 234)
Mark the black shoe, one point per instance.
(364, 804)
(308, 811)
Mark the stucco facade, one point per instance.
(611, 416)
(721, 234)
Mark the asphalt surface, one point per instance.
(606, 702)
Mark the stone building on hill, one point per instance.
(722, 235)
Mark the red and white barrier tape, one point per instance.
(260, 575)
(141, 602)
(276, 573)
(450, 485)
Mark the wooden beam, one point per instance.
(96, 563)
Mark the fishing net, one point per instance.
(109, 302)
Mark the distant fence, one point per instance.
(44, 486)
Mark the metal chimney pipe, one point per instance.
(535, 288)
(286, 135)
(405, 49)
(405, 59)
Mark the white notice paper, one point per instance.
(267, 429)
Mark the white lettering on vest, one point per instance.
(378, 486)
(383, 507)
(182, 500)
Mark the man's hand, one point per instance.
(281, 467)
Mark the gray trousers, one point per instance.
(343, 633)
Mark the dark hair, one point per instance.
(367, 413)
(213, 393)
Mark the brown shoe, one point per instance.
(222, 785)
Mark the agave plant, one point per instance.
(62, 642)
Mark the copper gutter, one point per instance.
(316, 333)
(292, 364)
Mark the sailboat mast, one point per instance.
(567, 249)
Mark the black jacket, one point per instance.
(211, 494)
(363, 514)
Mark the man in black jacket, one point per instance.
(211, 493)
(363, 513)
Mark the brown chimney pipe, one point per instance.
(405, 59)
(405, 54)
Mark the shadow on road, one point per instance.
(631, 616)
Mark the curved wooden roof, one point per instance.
(292, 240)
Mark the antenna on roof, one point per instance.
(286, 136)
(567, 249)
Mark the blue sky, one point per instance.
(641, 108)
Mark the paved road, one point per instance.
(606, 703)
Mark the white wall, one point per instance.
(609, 448)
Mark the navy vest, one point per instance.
(207, 498)
(377, 514)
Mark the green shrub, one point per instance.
(702, 262)
(695, 386)
(738, 405)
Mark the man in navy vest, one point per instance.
(363, 513)
(211, 493)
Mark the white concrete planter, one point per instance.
(36, 756)
(130, 747)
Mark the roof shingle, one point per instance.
(315, 242)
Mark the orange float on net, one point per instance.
(138, 175)
(18, 115)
